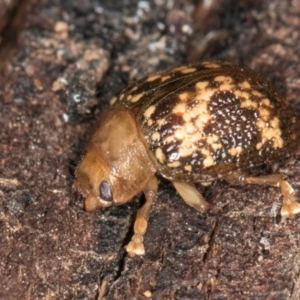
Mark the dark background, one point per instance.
(61, 61)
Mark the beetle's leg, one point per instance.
(289, 207)
(136, 246)
(191, 196)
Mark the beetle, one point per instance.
(195, 123)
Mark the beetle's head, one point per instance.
(116, 165)
(94, 182)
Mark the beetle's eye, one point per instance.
(105, 192)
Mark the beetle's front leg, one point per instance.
(136, 245)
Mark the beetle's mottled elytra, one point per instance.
(196, 123)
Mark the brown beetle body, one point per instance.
(196, 123)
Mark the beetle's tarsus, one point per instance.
(290, 206)
(136, 246)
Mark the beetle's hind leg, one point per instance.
(136, 245)
(290, 206)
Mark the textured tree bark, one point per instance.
(71, 57)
